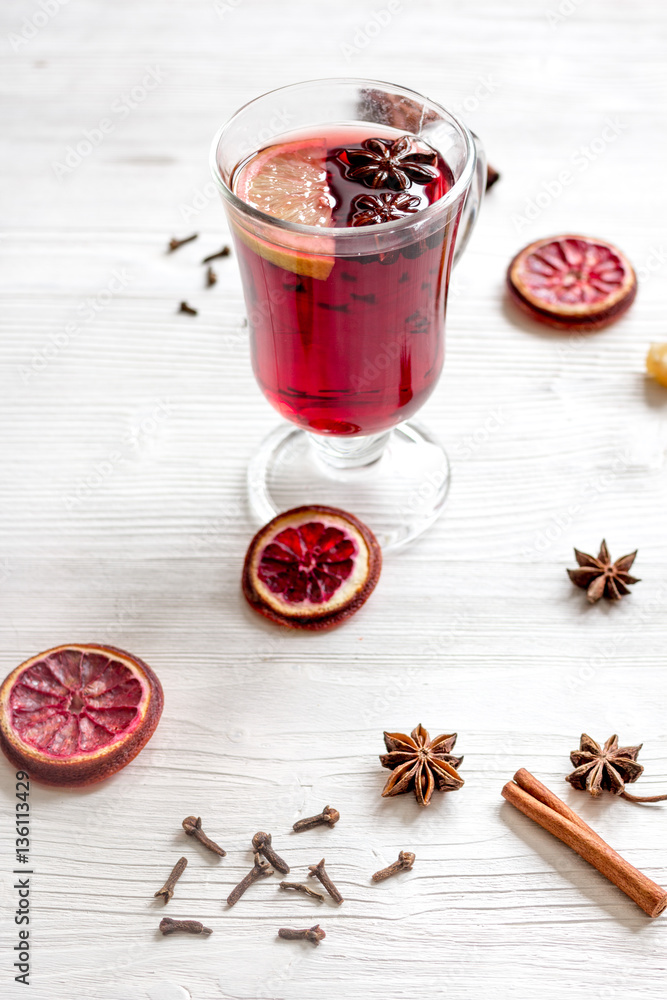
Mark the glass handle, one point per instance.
(473, 200)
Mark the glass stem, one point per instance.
(349, 452)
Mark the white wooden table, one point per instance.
(126, 430)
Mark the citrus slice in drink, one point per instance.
(76, 714)
(572, 282)
(288, 181)
(311, 567)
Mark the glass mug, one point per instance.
(347, 323)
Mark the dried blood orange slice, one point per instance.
(572, 282)
(78, 713)
(311, 567)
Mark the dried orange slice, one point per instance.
(311, 567)
(572, 282)
(76, 714)
(656, 363)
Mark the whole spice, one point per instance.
(492, 176)
(313, 934)
(420, 764)
(188, 310)
(211, 277)
(192, 826)
(328, 817)
(174, 244)
(405, 862)
(169, 926)
(300, 887)
(167, 890)
(601, 577)
(319, 872)
(261, 869)
(383, 163)
(262, 844)
(540, 804)
(224, 252)
(370, 209)
(608, 768)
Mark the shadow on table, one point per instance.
(591, 883)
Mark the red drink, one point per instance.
(344, 342)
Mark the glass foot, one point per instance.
(397, 482)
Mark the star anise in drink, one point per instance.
(420, 764)
(607, 768)
(369, 209)
(383, 163)
(600, 576)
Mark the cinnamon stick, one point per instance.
(530, 784)
(538, 803)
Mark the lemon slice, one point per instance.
(289, 182)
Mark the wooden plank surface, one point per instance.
(125, 433)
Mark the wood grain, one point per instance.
(125, 433)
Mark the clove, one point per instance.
(192, 826)
(492, 176)
(261, 869)
(313, 934)
(262, 844)
(224, 252)
(167, 889)
(211, 277)
(319, 872)
(169, 926)
(300, 887)
(328, 817)
(188, 310)
(406, 859)
(174, 244)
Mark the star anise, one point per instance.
(608, 768)
(600, 576)
(420, 763)
(370, 209)
(383, 163)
